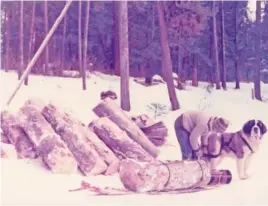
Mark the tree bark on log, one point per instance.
(104, 151)
(48, 144)
(169, 176)
(4, 138)
(118, 140)
(110, 109)
(157, 133)
(88, 159)
(16, 136)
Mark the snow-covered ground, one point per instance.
(25, 182)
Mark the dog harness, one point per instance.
(227, 145)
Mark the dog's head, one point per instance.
(254, 128)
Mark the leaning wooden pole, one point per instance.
(39, 51)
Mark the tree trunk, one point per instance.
(183, 73)
(166, 58)
(47, 143)
(257, 79)
(8, 32)
(124, 54)
(4, 37)
(62, 66)
(21, 42)
(179, 62)
(215, 46)
(237, 72)
(168, 176)
(223, 68)
(195, 75)
(46, 31)
(80, 36)
(110, 109)
(71, 132)
(116, 139)
(211, 50)
(32, 39)
(116, 40)
(84, 66)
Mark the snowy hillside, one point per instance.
(28, 182)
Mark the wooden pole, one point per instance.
(39, 51)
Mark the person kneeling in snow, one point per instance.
(193, 127)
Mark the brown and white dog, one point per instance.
(241, 145)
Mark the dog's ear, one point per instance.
(248, 126)
(262, 126)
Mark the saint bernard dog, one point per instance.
(240, 145)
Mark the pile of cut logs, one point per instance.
(64, 143)
(111, 143)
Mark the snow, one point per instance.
(26, 182)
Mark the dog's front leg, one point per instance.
(241, 168)
(247, 163)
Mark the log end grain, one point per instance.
(16, 135)
(143, 177)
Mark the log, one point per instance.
(157, 133)
(110, 109)
(71, 132)
(118, 140)
(16, 136)
(4, 138)
(48, 144)
(168, 176)
(104, 151)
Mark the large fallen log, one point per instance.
(169, 176)
(118, 140)
(16, 136)
(110, 109)
(71, 132)
(48, 144)
(218, 178)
